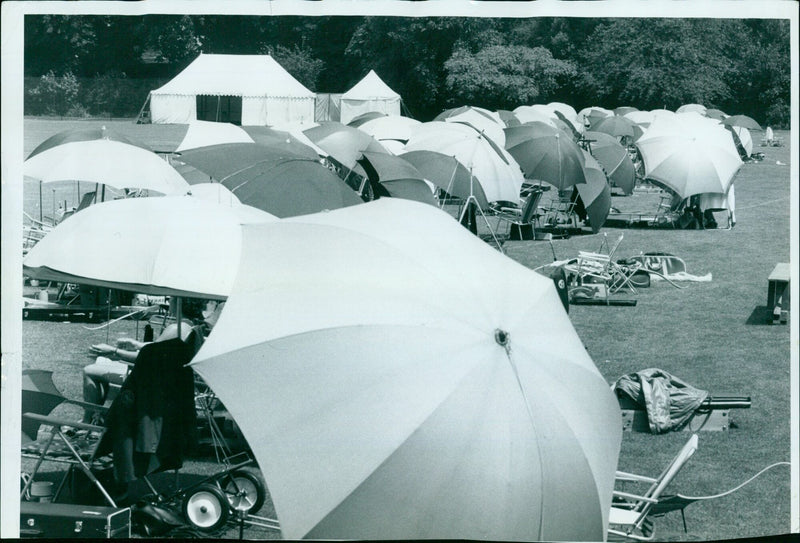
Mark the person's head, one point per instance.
(189, 335)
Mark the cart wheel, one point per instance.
(245, 491)
(206, 508)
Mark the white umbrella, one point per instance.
(394, 384)
(109, 162)
(565, 109)
(488, 123)
(689, 153)
(203, 133)
(496, 170)
(390, 127)
(527, 114)
(177, 245)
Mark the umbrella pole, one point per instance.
(41, 210)
(179, 313)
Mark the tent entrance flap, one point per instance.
(223, 109)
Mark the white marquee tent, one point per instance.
(242, 89)
(369, 94)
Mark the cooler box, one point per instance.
(63, 520)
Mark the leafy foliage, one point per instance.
(739, 66)
(499, 75)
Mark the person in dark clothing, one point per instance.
(152, 425)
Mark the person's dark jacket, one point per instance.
(152, 422)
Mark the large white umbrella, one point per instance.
(109, 162)
(529, 114)
(393, 383)
(204, 133)
(689, 153)
(390, 127)
(173, 246)
(494, 168)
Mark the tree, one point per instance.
(299, 62)
(653, 63)
(504, 77)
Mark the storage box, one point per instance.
(62, 520)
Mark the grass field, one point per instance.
(713, 335)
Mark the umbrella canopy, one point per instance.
(689, 156)
(365, 117)
(490, 115)
(595, 193)
(171, 246)
(105, 161)
(509, 118)
(624, 110)
(696, 108)
(546, 153)
(277, 181)
(716, 114)
(204, 133)
(614, 159)
(642, 118)
(447, 173)
(397, 177)
(529, 114)
(393, 147)
(742, 121)
(486, 122)
(565, 109)
(344, 143)
(588, 116)
(214, 192)
(618, 126)
(496, 171)
(390, 127)
(423, 397)
(296, 143)
(84, 134)
(570, 127)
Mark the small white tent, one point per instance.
(242, 89)
(369, 94)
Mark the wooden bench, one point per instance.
(778, 293)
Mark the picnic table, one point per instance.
(778, 292)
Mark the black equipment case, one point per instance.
(62, 520)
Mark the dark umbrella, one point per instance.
(546, 153)
(742, 120)
(364, 117)
(595, 194)
(508, 117)
(618, 126)
(567, 126)
(279, 182)
(394, 176)
(614, 159)
(716, 114)
(447, 173)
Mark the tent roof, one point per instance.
(235, 75)
(369, 88)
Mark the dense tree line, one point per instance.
(109, 63)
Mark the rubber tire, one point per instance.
(251, 482)
(213, 500)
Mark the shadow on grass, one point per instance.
(761, 315)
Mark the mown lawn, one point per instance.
(711, 334)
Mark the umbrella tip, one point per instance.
(501, 337)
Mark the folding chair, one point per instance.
(599, 273)
(630, 516)
(67, 442)
(561, 212)
(519, 218)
